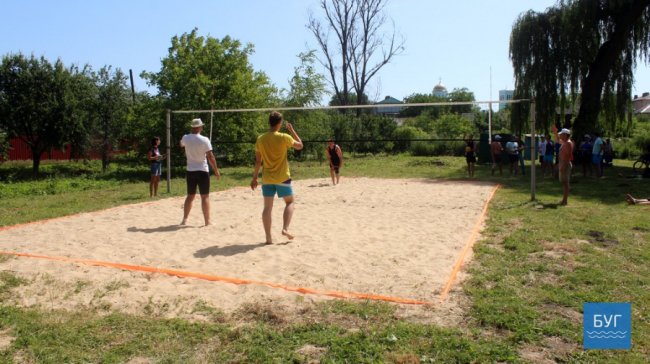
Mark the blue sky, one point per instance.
(456, 41)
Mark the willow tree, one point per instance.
(580, 53)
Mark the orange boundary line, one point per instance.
(207, 277)
(470, 243)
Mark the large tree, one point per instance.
(111, 110)
(202, 73)
(360, 47)
(581, 51)
(32, 102)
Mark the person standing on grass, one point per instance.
(512, 148)
(198, 151)
(496, 149)
(156, 159)
(335, 157)
(521, 148)
(597, 155)
(470, 154)
(271, 154)
(565, 156)
(546, 153)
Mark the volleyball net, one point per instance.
(421, 129)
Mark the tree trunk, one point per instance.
(601, 67)
(36, 161)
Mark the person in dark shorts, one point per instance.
(335, 157)
(496, 149)
(156, 159)
(470, 154)
(198, 151)
(512, 150)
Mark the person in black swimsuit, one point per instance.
(470, 154)
(335, 157)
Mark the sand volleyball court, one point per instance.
(394, 238)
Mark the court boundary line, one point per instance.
(470, 243)
(214, 278)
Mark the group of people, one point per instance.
(271, 149)
(513, 155)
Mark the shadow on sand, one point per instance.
(161, 229)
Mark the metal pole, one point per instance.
(169, 150)
(533, 152)
(132, 87)
(490, 112)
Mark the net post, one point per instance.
(533, 152)
(169, 149)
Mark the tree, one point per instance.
(584, 48)
(32, 103)
(205, 73)
(111, 110)
(360, 49)
(306, 86)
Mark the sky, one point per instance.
(462, 43)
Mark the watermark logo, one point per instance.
(607, 325)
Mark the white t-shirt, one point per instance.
(196, 145)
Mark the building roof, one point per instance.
(389, 100)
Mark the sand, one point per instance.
(397, 238)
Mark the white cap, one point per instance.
(565, 131)
(196, 123)
(497, 137)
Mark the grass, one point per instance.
(536, 265)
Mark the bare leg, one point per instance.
(338, 178)
(565, 193)
(151, 183)
(205, 206)
(332, 175)
(286, 217)
(156, 181)
(187, 207)
(267, 218)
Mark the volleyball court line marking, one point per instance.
(470, 243)
(208, 277)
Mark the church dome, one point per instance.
(440, 90)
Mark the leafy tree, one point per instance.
(4, 146)
(80, 105)
(209, 73)
(462, 95)
(32, 102)
(580, 48)
(111, 110)
(307, 86)
(453, 126)
(360, 48)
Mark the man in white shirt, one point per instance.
(198, 151)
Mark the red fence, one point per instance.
(19, 151)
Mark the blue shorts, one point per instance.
(596, 158)
(548, 158)
(282, 189)
(156, 169)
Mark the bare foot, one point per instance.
(269, 243)
(562, 203)
(286, 233)
(184, 222)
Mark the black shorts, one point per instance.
(335, 167)
(200, 179)
(470, 158)
(513, 158)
